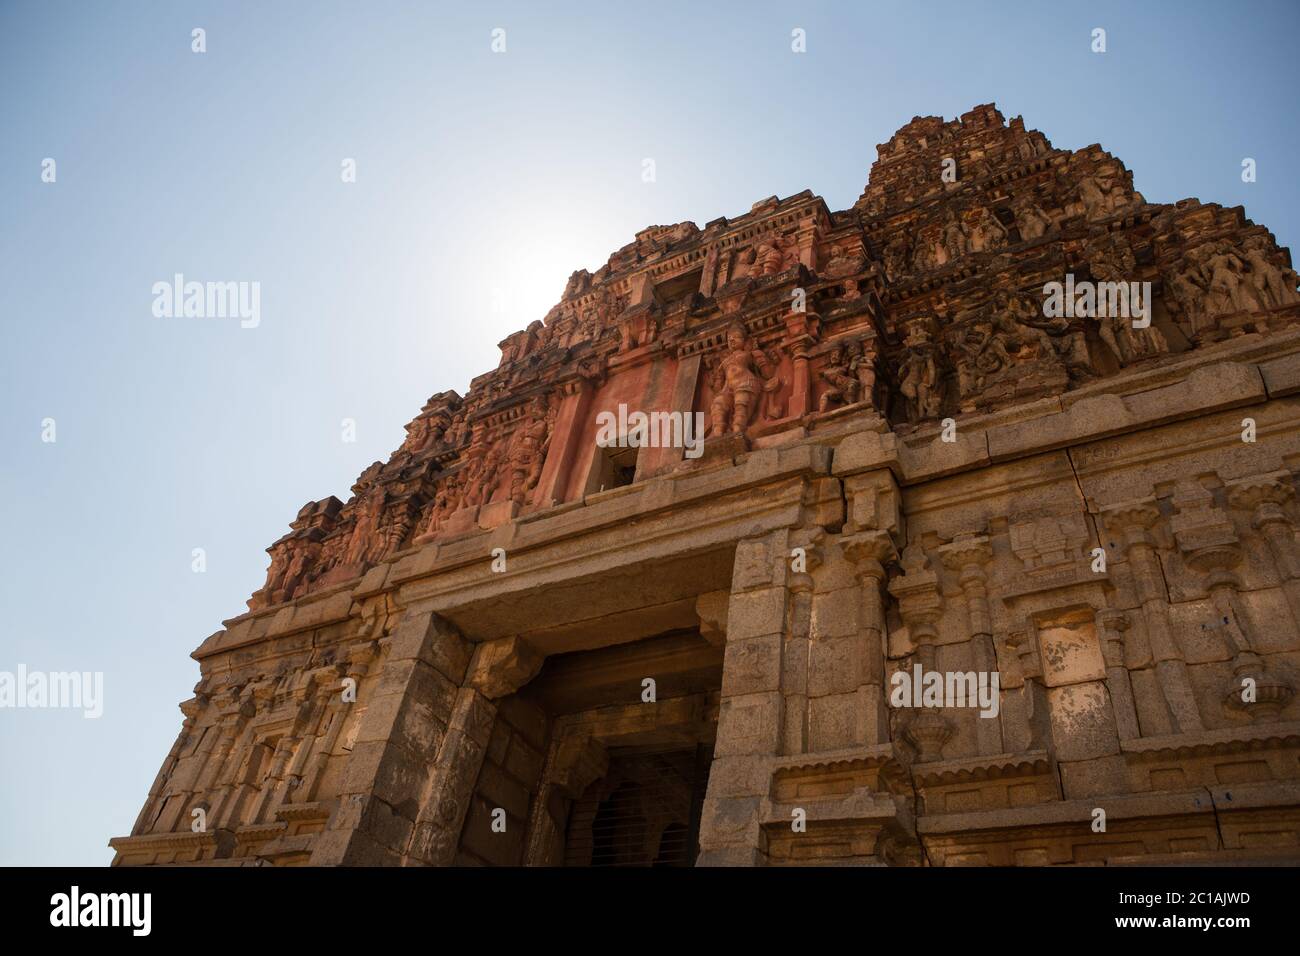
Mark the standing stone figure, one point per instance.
(863, 365)
(1228, 289)
(741, 374)
(527, 451)
(919, 377)
(1274, 285)
(1031, 220)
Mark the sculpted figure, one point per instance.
(445, 501)
(1228, 289)
(1014, 318)
(979, 352)
(953, 242)
(896, 258)
(421, 433)
(1031, 219)
(863, 366)
(480, 468)
(929, 248)
(1103, 195)
(1029, 146)
(919, 377)
(1110, 266)
(770, 255)
(986, 233)
(527, 451)
(745, 265)
(365, 543)
(843, 262)
(299, 569)
(282, 554)
(741, 375)
(839, 374)
(1275, 285)
(1188, 289)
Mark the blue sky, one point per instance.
(475, 172)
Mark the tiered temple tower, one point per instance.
(517, 644)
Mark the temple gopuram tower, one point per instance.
(951, 563)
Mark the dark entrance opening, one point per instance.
(644, 812)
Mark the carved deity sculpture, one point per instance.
(1103, 195)
(1030, 218)
(478, 477)
(282, 554)
(839, 374)
(365, 543)
(1188, 288)
(897, 258)
(919, 376)
(296, 575)
(1228, 289)
(743, 374)
(1114, 263)
(953, 242)
(445, 502)
(979, 351)
(863, 366)
(986, 233)
(1275, 286)
(767, 256)
(527, 451)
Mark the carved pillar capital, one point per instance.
(920, 602)
(1263, 496)
(869, 550)
(969, 555)
(1133, 521)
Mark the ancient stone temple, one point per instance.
(955, 577)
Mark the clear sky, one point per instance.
(483, 180)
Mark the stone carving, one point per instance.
(1113, 262)
(897, 258)
(1120, 559)
(364, 542)
(919, 376)
(527, 451)
(840, 374)
(1030, 219)
(743, 376)
(985, 233)
(1103, 194)
(863, 365)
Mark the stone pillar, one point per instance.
(751, 709)
(801, 334)
(1264, 497)
(565, 448)
(796, 653)
(920, 605)
(498, 669)
(404, 726)
(1026, 726)
(1133, 523)
(969, 555)
(1114, 624)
